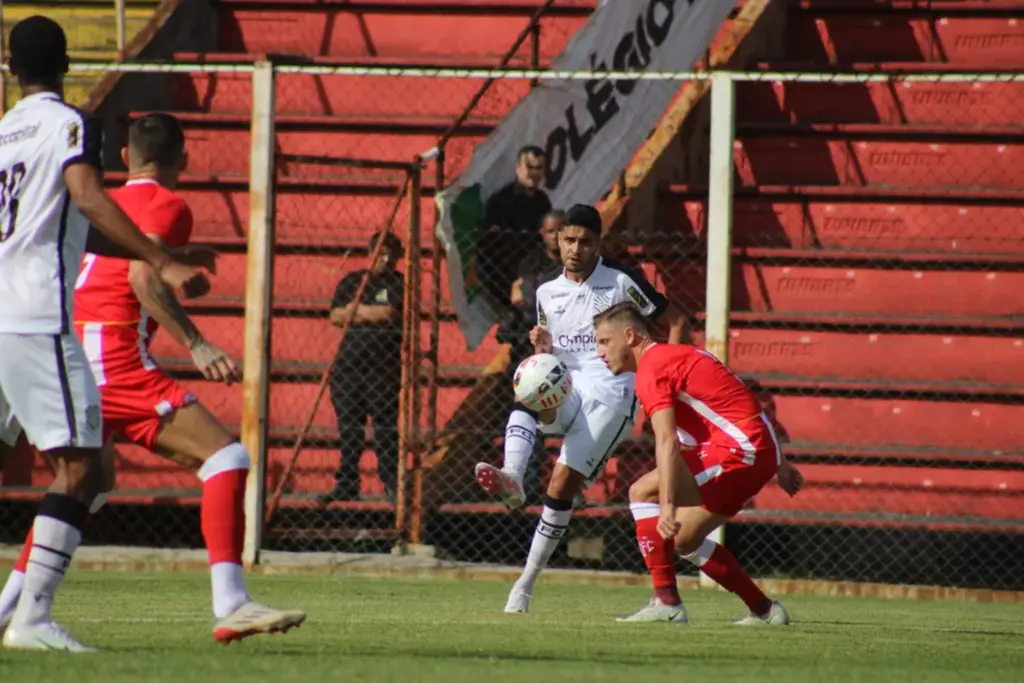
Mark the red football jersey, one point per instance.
(108, 315)
(710, 402)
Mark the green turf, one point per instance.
(154, 627)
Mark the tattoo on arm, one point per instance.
(165, 299)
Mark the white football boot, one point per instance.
(38, 637)
(253, 618)
(518, 601)
(656, 610)
(498, 483)
(776, 616)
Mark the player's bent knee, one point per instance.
(565, 482)
(695, 551)
(644, 489)
(231, 457)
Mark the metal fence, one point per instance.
(851, 244)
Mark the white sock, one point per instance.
(229, 593)
(520, 436)
(554, 522)
(56, 534)
(11, 593)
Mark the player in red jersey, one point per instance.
(119, 305)
(693, 399)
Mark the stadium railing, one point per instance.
(850, 243)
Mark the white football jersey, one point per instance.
(42, 233)
(566, 309)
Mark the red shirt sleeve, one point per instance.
(170, 220)
(655, 387)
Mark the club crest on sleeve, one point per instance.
(74, 134)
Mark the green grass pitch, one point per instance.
(156, 627)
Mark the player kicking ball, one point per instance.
(688, 394)
(599, 411)
(119, 305)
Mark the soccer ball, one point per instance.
(542, 382)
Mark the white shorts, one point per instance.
(48, 390)
(592, 430)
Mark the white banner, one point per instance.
(589, 129)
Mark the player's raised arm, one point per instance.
(82, 177)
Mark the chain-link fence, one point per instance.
(876, 241)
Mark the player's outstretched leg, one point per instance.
(520, 436)
(193, 434)
(723, 567)
(551, 528)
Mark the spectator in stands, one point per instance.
(366, 375)
(512, 218)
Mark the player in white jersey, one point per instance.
(50, 192)
(600, 412)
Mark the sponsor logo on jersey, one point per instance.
(25, 133)
(578, 343)
(602, 289)
(560, 295)
(637, 297)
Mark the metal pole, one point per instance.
(121, 37)
(415, 358)
(258, 292)
(720, 195)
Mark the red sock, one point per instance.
(660, 558)
(727, 573)
(222, 516)
(22, 562)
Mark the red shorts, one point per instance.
(726, 481)
(135, 403)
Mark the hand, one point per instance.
(186, 279)
(790, 479)
(668, 526)
(215, 365)
(541, 340)
(198, 255)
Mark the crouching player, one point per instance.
(690, 396)
(118, 306)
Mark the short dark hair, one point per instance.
(39, 50)
(391, 241)
(157, 138)
(625, 313)
(557, 214)
(584, 216)
(529, 150)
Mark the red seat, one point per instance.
(305, 29)
(949, 222)
(917, 103)
(380, 96)
(870, 155)
(909, 34)
(881, 289)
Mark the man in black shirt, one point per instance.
(512, 218)
(366, 375)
